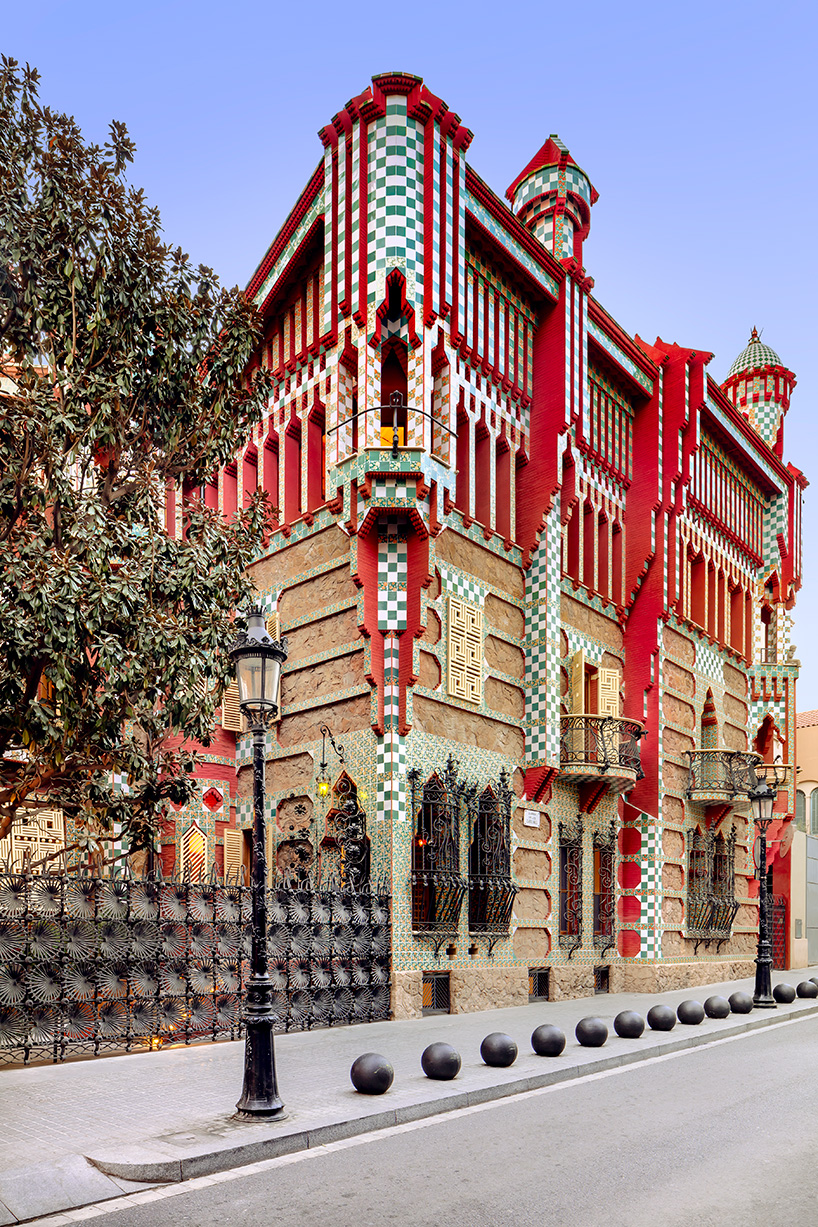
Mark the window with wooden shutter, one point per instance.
(577, 692)
(608, 692)
(274, 626)
(465, 680)
(232, 719)
(233, 854)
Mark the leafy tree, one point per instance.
(123, 371)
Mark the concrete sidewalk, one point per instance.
(90, 1130)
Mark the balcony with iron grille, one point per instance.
(601, 748)
(724, 775)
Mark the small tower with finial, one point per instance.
(759, 385)
(552, 197)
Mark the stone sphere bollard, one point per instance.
(440, 1061)
(807, 989)
(741, 1003)
(591, 1032)
(717, 1007)
(498, 1049)
(814, 979)
(371, 1074)
(691, 1013)
(784, 994)
(547, 1041)
(629, 1025)
(661, 1018)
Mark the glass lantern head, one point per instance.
(762, 798)
(258, 659)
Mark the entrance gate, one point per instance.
(779, 933)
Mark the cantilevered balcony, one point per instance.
(721, 775)
(594, 748)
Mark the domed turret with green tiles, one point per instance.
(754, 356)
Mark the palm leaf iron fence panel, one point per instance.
(90, 964)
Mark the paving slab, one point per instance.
(92, 1128)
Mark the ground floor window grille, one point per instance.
(436, 992)
(538, 984)
(570, 885)
(711, 886)
(438, 889)
(602, 981)
(491, 890)
(604, 888)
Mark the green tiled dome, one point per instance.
(755, 355)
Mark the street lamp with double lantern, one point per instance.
(763, 796)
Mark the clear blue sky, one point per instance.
(695, 121)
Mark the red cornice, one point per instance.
(754, 441)
(287, 231)
(306, 243)
(502, 214)
(608, 324)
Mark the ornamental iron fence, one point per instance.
(92, 964)
(724, 772)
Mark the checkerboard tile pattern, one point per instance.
(459, 584)
(392, 575)
(542, 646)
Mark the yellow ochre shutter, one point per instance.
(232, 719)
(233, 847)
(608, 692)
(578, 683)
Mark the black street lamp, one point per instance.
(762, 799)
(258, 659)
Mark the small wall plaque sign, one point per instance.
(531, 818)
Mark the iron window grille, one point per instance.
(538, 984)
(602, 980)
(436, 993)
(346, 839)
(605, 889)
(491, 890)
(438, 888)
(711, 887)
(570, 936)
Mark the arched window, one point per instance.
(194, 852)
(800, 810)
(813, 812)
(346, 839)
(394, 366)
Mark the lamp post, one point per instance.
(762, 799)
(258, 659)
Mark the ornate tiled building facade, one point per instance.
(549, 626)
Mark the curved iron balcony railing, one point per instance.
(601, 746)
(437, 897)
(710, 917)
(729, 773)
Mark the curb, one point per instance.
(157, 1162)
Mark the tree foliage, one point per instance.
(123, 370)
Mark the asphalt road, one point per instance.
(723, 1135)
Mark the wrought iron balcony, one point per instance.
(710, 917)
(490, 902)
(437, 897)
(716, 775)
(594, 747)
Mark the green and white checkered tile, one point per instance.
(465, 587)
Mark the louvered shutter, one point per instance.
(233, 849)
(578, 683)
(232, 719)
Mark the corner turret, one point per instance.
(759, 385)
(552, 197)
